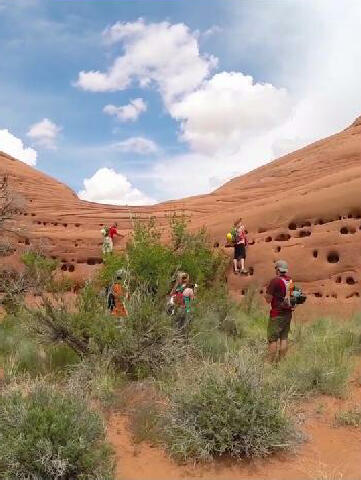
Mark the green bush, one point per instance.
(142, 344)
(49, 434)
(151, 263)
(225, 408)
(39, 268)
(321, 360)
(22, 353)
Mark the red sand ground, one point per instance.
(330, 453)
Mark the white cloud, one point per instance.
(228, 109)
(231, 122)
(108, 186)
(14, 146)
(139, 145)
(128, 112)
(44, 133)
(157, 52)
(212, 31)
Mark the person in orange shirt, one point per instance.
(120, 295)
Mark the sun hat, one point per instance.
(281, 266)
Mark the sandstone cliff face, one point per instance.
(304, 207)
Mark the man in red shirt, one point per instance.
(113, 231)
(278, 294)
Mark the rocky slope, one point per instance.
(304, 207)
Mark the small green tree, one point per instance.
(51, 434)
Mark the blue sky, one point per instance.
(211, 88)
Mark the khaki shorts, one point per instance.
(279, 327)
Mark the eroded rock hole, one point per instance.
(282, 237)
(64, 267)
(216, 245)
(320, 221)
(315, 253)
(307, 223)
(262, 230)
(268, 239)
(94, 261)
(338, 279)
(71, 267)
(344, 230)
(277, 249)
(33, 214)
(350, 281)
(318, 294)
(304, 233)
(292, 226)
(251, 270)
(354, 294)
(65, 225)
(334, 295)
(77, 225)
(27, 241)
(333, 257)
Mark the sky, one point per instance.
(134, 102)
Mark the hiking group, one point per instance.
(281, 293)
(108, 234)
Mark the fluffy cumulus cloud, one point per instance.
(127, 113)
(180, 68)
(111, 187)
(139, 145)
(228, 109)
(231, 122)
(14, 146)
(44, 134)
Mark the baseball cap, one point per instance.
(282, 266)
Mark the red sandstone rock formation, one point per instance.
(304, 207)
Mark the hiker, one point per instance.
(107, 246)
(117, 296)
(181, 298)
(113, 231)
(278, 294)
(240, 245)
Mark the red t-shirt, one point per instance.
(277, 289)
(112, 232)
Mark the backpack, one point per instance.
(105, 231)
(288, 283)
(178, 297)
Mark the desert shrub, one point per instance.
(38, 268)
(225, 408)
(46, 434)
(349, 418)
(6, 248)
(151, 263)
(22, 353)
(86, 328)
(321, 360)
(148, 339)
(97, 377)
(14, 285)
(141, 344)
